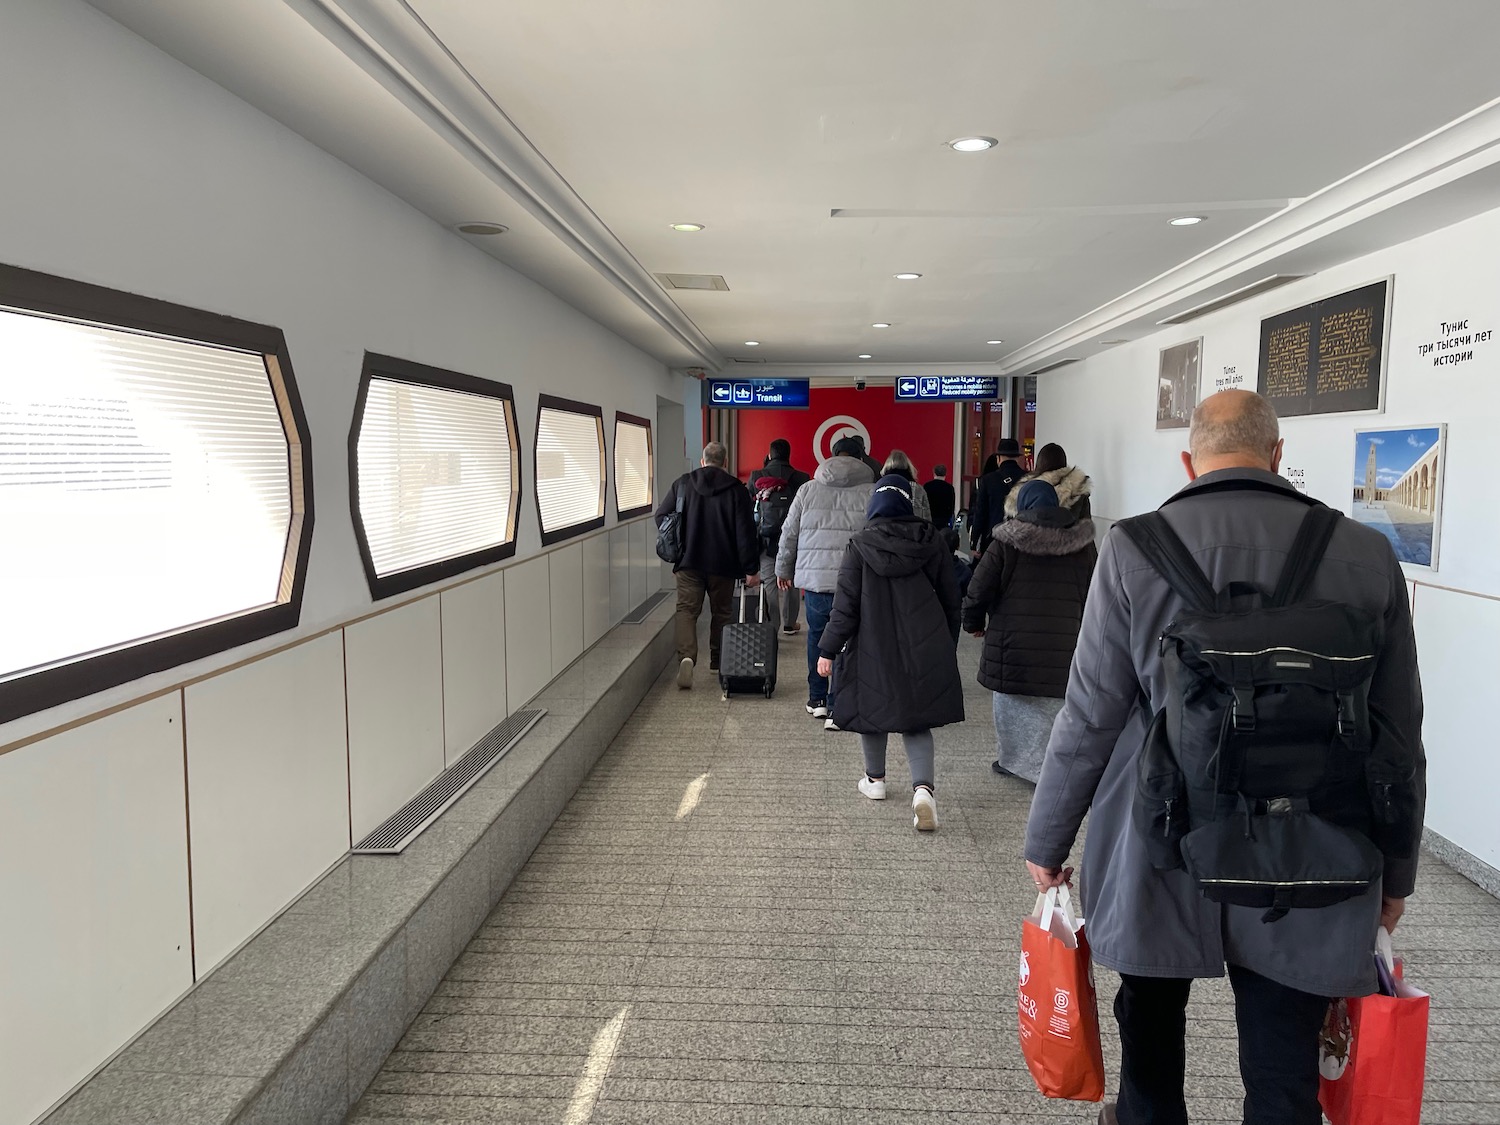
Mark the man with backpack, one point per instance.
(772, 489)
(1243, 728)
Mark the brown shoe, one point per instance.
(1107, 1115)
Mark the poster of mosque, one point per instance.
(1398, 488)
(1177, 384)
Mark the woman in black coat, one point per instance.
(893, 628)
(1031, 586)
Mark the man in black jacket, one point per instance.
(719, 545)
(771, 490)
(940, 497)
(988, 507)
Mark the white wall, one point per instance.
(131, 171)
(1103, 412)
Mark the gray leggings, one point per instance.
(919, 755)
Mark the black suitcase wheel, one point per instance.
(769, 689)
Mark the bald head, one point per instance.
(1233, 430)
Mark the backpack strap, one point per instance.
(1317, 528)
(1172, 560)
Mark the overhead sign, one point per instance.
(946, 388)
(763, 394)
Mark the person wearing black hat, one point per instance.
(892, 630)
(1026, 602)
(988, 507)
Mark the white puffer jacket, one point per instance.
(824, 514)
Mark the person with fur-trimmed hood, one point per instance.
(1026, 601)
(1073, 484)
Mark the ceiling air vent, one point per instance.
(1054, 366)
(1240, 294)
(737, 359)
(693, 281)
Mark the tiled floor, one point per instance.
(788, 952)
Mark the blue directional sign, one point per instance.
(761, 394)
(946, 388)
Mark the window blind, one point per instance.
(144, 487)
(436, 473)
(569, 468)
(633, 482)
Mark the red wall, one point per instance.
(923, 430)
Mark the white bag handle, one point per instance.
(1383, 949)
(1057, 898)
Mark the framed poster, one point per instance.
(1398, 488)
(1327, 357)
(1177, 376)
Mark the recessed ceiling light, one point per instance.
(687, 228)
(481, 228)
(907, 276)
(994, 341)
(880, 324)
(1186, 220)
(752, 343)
(865, 355)
(972, 144)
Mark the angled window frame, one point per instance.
(649, 505)
(594, 523)
(393, 369)
(73, 678)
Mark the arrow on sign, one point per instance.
(721, 392)
(906, 388)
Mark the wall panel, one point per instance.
(642, 558)
(395, 698)
(596, 619)
(268, 786)
(528, 630)
(565, 574)
(619, 573)
(474, 694)
(94, 930)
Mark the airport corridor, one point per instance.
(720, 930)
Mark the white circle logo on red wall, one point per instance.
(835, 429)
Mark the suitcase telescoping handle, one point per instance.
(743, 591)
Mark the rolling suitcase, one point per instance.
(747, 660)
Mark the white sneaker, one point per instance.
(873, 787)
(923, 810)
(829, 724)
(685, 672)
(818, 710)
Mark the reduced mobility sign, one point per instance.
(946, 388)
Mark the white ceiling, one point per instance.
(762, 120)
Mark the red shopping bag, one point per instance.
(1373, 1056)
(1058, 1008)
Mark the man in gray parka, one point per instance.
(824, 514)
(1238, 518)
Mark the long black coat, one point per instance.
(897, 609)
(987, 508)
(1031, 585)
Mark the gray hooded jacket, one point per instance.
(1155, 923)
(824, 514)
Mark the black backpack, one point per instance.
(773, 500)
(1258, 775)
(670, 546)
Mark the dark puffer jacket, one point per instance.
(897, 607)
(718, 526)
(1031, 585)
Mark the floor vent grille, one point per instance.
(642, 611)
(408, 822)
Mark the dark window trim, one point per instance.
(407, 371)
(635, 420)
(570, 406)
(30, 291)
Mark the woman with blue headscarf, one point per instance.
(1026, 601)
(890, 642)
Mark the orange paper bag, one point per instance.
(1058, 1008)
(1373, 1055)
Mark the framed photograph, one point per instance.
(1178, 373)
(1329, 356)
(1398, 488)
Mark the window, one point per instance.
(633, 465)
(569, 467)
(435, 473)
(155, 487)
